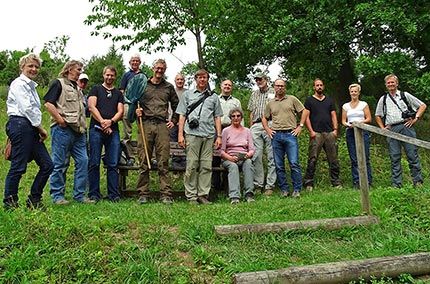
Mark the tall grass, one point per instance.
(129, 243)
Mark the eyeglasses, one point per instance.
(258, 79)
(236, 116)
(279, 86)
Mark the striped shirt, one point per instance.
(258, 101)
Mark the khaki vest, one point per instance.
(70, 106)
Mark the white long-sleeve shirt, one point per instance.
(23, 100)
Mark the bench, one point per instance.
(175, 151)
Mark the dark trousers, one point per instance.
(26, 146)
(177, 162)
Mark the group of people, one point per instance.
(199, 120)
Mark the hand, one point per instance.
(233, 158)
(62, 123)
(270, 132)
(218, 142)
(296, 131)
(410, 122)
(181, 140)
(335, 133)
(106, 123)
(312, 134)
(139, 112)
(42, 134)
(170, 124)
(108, 131)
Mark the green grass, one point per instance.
(129, 243)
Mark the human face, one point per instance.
(159, 69)
(135, 64)
(391, 84)
(354, 93)
(227, 87)
(202, 82)
(319, 87)
(109, 77)
(261, 83)
(179, 81)
(279, 88)
(83, 83)
(236, 118)
(74, 73)
(31, 69)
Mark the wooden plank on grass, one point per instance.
(328, 224)
(342, 272)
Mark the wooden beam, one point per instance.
(362, 170)
(342, 272)
(328, 224)
(391, 134)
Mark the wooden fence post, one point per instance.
(362, 170)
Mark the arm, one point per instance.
(266, 127)
(55, 114)
(378, 120)
(344, 122)
(181, 123)
(334, 122)
(367, 115)
(218, 131)
(308, 123)
(298, 129)
(420, 112)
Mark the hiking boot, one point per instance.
(193, 202)
(309, 188)
(86, 200)
(337, 186)
(285, 194)
(249, 198)
(61, 202)
(143, 200)
(35, 204)
(234, 201)
(10, 204)
(203, 200)
(296, 194)
(268, 192)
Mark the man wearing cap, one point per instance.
(82, 85)
(257, 103)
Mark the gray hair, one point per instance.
(160, 61)
(234, 110)
(69, 65)
(391, 76)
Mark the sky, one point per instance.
(32, 23)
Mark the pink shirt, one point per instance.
(237, 140)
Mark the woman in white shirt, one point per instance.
(356, 111)
(24, 129)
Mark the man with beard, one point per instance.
(321, 122)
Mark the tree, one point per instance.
(152, 25)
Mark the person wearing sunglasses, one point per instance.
(237, 149)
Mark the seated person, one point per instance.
(236, 150)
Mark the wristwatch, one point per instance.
(301, 125)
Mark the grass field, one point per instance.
(154, 243)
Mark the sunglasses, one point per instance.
(236, 116)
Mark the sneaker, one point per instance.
(258, 189)
(234, 201)
(203, 200)
(285, 194)
(167, 200)
(268, 192)
(337, 186)
(249, 198)
(87, 200)
(296, 194)
(309, 188)
(418, 184)
(61, 202)
(142, 200)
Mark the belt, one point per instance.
(286, 130)
(154, 119)
(258, 120)
(398, 123)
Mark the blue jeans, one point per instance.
(112, 151)
(350, 143)
(284, 143)
(395, 149)
(65, 143)
(26, 146)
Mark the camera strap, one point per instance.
(192, 107)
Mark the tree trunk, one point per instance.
(201, 62)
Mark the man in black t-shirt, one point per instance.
(322, 124)
(106, 104)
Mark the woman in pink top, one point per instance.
(236, 150)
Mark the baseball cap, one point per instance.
(83, 76)
(260, 75)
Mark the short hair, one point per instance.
(109, 67)
(318, 79)
(136, 55)
(180, 75)
(69, 64)
(355, 85)
(235, 109)
(201, 72)
(159, 61)
(29, 57)
(391, 76)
